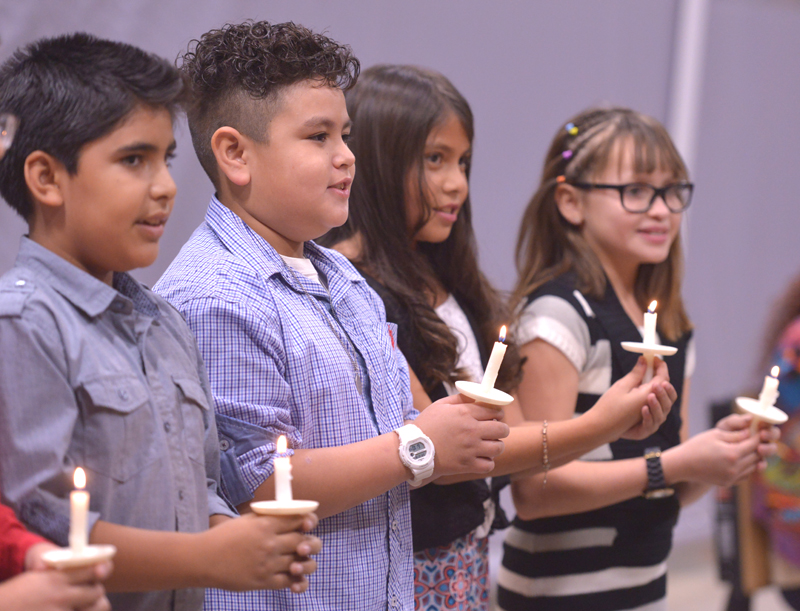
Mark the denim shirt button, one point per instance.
(167, 427)
(19, 283)
(123, 394)
(224, 445)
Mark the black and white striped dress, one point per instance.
(614, 557)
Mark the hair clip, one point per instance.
(567, 154)
(561, 178)
(572, 130)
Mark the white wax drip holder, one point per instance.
(489, 396)
(283, 508)
(754, 407)
(68, 558)
(649, 351)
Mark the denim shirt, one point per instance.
(276, 367)
(108, 379)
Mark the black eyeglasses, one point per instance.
(639, 197)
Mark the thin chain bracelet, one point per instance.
(545, 458)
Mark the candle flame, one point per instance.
(80, 478)
(652, 307)
(282, 444)
(502, 336)
(775, 371)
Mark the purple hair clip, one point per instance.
(567, 154)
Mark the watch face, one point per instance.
(661, 493)
(417, 451)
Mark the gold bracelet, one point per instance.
(545, 458)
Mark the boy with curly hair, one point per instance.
(295, 341)
(98, 371)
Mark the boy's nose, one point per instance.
(344, 157)
(164, 186)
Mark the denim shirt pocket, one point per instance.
(194, 411)
(119, 426)
(237, 437)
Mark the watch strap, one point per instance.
(656, 482)
(407, 434)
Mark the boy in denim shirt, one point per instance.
(295, 341)
(99, 372)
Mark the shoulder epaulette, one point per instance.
(13, 296)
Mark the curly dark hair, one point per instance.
(235, 74)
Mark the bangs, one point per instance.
(651, 146)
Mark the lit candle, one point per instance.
(650, 323)
(283, 473)
(769, 392)
(495, 360)
(78, 514)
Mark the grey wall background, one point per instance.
(526, 67)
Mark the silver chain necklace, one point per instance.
(327, 316)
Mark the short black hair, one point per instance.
(229, 68)
(70, 90)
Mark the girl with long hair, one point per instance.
(410, 234)
(599, 240)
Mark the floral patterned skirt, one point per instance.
(454, 576)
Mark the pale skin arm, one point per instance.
(722, 455)
(247, 553)
(688, 492)
(628, 408)
(465, 435)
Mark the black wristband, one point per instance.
(656, 483)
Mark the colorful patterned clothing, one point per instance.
(454, 576)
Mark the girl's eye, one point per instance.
(434, 157)
(320, 137)
(346, 138)
(168, 158)
(464, 162)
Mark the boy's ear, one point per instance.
(230, 150)
(569, 203)
(43, 176)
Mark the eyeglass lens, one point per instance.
(637, 197)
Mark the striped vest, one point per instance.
(610, 558)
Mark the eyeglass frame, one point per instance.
(662, 191)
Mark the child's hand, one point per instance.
(465, 434)
(767, 433)
(261, 553)
(721, 456)
(51, 590)
(636, 410)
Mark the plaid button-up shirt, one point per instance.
(277, 367)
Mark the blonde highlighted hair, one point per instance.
(548, 245)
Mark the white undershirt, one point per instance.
(303, 266)
(469, 356)
(469, 359)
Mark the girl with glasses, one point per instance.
(599, 240)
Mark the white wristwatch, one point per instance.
(416, 452)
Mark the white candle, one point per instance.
(650, 318)
(495, 360)
(769, 392)
(78, 514)
(283, 473)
